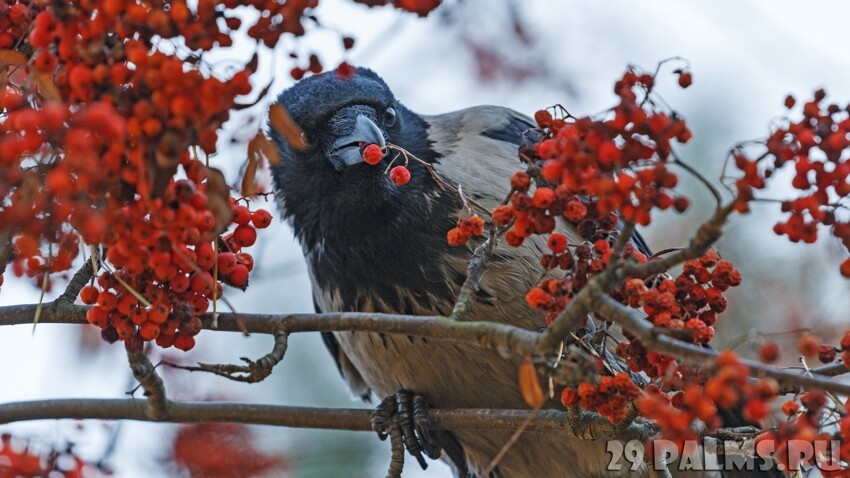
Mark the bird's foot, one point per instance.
(408, 413)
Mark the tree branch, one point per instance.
(544, 421)
(491, 335)
(150, 381)
(704, 357)
(78, 281)
(474, 273)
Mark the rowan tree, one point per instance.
(107, 161)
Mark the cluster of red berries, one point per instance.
(584, 261)
(465, 229)
(689, 302)
(419, 7)
(373, 154)
(15, 17)
(815, 149)
(699, 399)
(18, 460)
(586, 168)
(70, 189)
(168, 264)
(809, 345)
(804, 423)
(609, 397)
(222, 449)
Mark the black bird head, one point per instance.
(328, 183)
(339, 115)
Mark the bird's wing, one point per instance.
(478, 146)
(478, 152)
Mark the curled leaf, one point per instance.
(12, 57)
(46, 87)
(286, 126)
(268, 149)
(217, 197)
(529, 385)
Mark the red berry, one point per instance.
(88, 294)
(456, 237)
(245, 236)
(158, 313)
(261, 219)
(184, 342)
(558, 242)
(372, 154)
(205, 256)
(685, 79)
(97, 316)
(149, 331)
(790, 101)
(241, 215)
(238, 277)
(201, 283)
(769, 352)
(226, 262)
(400, 175)
(179, 283)
(246, 259)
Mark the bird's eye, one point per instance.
(389, 117)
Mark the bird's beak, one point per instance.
(365, 131)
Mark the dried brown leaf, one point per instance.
(217, 200)
(529, 385)
(12, 57)
(251, 164)
(268, 149)
(46, 87)
(286, 126)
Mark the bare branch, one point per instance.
(490, 335)
(474, 273)
(703, 357)
(623, 239)
(150, 381)
(544, 421)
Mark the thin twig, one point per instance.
(474, 273)
(507, 446)
(78, 281)
(253, 372)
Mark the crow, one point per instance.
(372, 246)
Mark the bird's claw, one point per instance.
(408, 412)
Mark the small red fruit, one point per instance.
(685, 79)
(261, 219)
(184, 342)
(558, 242)
(372, 154)
(245, 236)
(226, 262)
(88, 294)
(400, 175)
(769, 352)
(246, 259)
(241, 215)
(238, 277)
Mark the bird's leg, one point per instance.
(410, 411)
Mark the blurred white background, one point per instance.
(746, 56)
